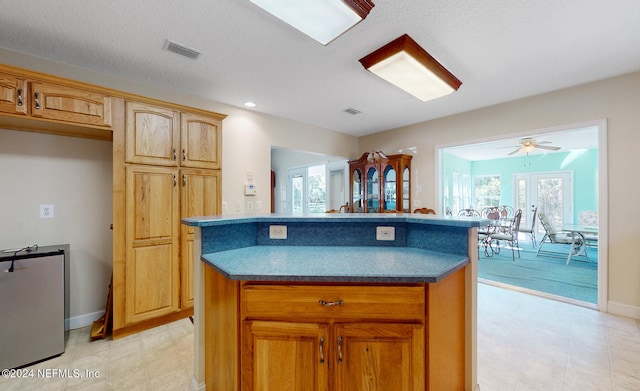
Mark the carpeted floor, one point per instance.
(544, 273)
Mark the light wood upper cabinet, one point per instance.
(47, 104)
(200, 141)
(70, 104)
(152, 134)
(152, 269)
(199, 195)
(13, 94)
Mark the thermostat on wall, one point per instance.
(249, 189)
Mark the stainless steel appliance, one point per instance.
(31, 305)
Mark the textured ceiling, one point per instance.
(501, 50)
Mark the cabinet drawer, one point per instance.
(335, 302)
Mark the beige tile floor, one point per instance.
(525, 343)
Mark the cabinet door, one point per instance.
(284, 356)
(152, 267)
(69, 104)
(379, 357)
(13, 94)
(151, 135)
(200, 195)
(200, 139)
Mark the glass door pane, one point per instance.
(373, 190)
(551, 192)
(405, 191)
(297, 193)
(356, 197)
(390, 188)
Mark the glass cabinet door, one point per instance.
(356, 197)
(373, 190)
(406, 205)
(390, 188)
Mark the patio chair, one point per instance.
(532, 230)
(510, 235)
(553, 236)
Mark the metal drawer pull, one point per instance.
(339, 350)
(19, 96)
(37, 96)
(331, 303)
(321, 350)
(174, 154)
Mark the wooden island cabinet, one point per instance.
(312, 313)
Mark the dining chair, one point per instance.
(469, 212)
(425, 211)
(553, 236)
(486, 232)
(531, 230)
(510, 236)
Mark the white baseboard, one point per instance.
(85, 320)
(626, 310)
(195, 386)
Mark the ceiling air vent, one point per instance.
(181, 49)
(352, 111)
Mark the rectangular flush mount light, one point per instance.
(322, 20)
(408, 66)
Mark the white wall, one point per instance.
(74, 175)
(247, 138)
(615, 100)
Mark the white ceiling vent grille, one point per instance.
(181, 49)
(352, 111)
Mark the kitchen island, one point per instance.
(335, 302)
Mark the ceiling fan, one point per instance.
(529, 144)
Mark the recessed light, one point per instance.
(249, 104)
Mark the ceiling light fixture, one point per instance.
(408, 66)
(323, 21)
(249, 104)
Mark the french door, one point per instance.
(551, 192)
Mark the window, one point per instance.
(486, 191)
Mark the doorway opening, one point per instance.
(564, 177)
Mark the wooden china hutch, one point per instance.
(380, 183)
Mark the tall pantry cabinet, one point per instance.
(170, 166)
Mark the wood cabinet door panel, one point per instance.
(200, 195)
(13, 94)
(152, 267)
(69, 104)
(151, 135)
(152, 202)
(379, 357)
(200, 141)
(284, 356)
(151, 282)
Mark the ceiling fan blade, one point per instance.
(511, 146)
(544, 142)
(548, 147)
(514, 152)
